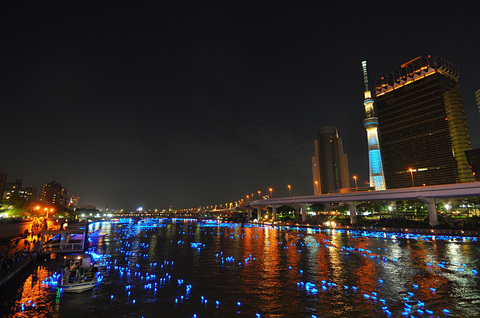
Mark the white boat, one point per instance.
(80, 273)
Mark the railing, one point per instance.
(384, 229)
(415, 231)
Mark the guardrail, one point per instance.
(381, 229)
(414, 230)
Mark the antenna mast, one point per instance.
(365, 75)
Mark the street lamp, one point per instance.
(259, 194)
(271, 192)
(355, 178)
(289, 190)
(411, 173)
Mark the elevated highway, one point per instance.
(427, 194)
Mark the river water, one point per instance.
(184, 268)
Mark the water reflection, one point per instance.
(179, 268)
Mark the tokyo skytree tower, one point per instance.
(377, 178)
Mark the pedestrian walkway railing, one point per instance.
(383, 229)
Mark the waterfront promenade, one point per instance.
(17, 243)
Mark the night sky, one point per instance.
(189, 103)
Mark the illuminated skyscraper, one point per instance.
(377, 179)
(477, 97)
(423, 127)
(330, 164)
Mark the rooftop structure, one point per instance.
(423, 129)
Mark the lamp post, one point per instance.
(271, 192)
(447, 207)
(289, 190)
(259, 194)
(411, 173)
(355, 178)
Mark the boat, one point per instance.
(80, 273)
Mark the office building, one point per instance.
(330, 164)
(376, 176)
(422, 125)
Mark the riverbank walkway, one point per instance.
(44, 237)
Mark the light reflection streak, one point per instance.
(36, 298)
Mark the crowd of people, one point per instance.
(17, 251)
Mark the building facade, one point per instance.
(473, 157)
(423, 128)
(54, 193)
(330, 164)
(477, 97)
(15, 190)
(3, 181)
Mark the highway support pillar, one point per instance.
(432, 210)
(259, 213)
(303, 211)
(249, 214)
(274, 212)
(353, 213)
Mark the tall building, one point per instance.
(376, 176)
(473, 157)
(3, 181)
(330, 164)
(477, 97)
(54, 193)
(423, 129)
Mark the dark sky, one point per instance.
(192, 103)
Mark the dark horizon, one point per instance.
(185, 105)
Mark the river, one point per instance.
(184, 268)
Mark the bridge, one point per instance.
(426, 194)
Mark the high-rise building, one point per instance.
(3, 181)
(473, 157)
(54, 193)
(376, 176)
(423, 129)
(477, 97)
(330, 164)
